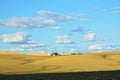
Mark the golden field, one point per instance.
(19, 63)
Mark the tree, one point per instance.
(54, 54)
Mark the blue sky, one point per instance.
(59, 25)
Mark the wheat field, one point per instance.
(20, 63)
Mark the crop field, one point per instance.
(86, 66)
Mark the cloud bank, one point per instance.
(46, 19)
(55, 16)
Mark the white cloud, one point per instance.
(16, 49)
(56, 28)
(52, 49)
(61, 17)
(103, 47)
(22, 40)
(90, 37)
(55, 16)
(113, 47)
(45, 20)
(95, 47)
(27, 22)
(30, 46)
(63, 39)
(72, 50)
(19, 37)
(80, 29)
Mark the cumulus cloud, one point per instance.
(56, 28)
(27, 22)
(113, 47)
(95, 47)
(19, 37)
(72, 50)
(103, 47)
(16, 49)
(90, 37)
(47, 19)
(52, 49)
(30, 46)
(22, 40)
(63, 39)
(80, 29)
(55, 16)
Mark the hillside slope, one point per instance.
(17, 63)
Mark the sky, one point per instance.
(64, 26)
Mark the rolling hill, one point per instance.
(19, 63)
